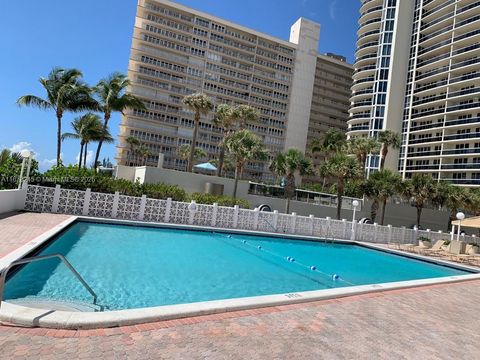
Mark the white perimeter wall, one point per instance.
(11, 200)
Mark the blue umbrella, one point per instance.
(206, 166)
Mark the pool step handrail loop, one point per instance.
(45, 257)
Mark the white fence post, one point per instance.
(214, 214)
(415, 232)
(389, 233)
(329, 222)
(56, 199)
(359, 232)
(344, 221)
(256, 213)
(275, 219)
(294, 222)
(192, 208)
(143, 203)
(404, 232)
(235, 216)
(115, 204)
(375, 231)
(168, 209)
(312, 222)
(86, 202)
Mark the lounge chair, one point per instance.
(435, 250)
(471, 259)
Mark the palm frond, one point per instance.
(35, 101)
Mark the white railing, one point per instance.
(116, 206)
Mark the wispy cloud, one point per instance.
(332, 10)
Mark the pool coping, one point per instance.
(34, 317)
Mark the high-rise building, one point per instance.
(178, 51)
(417, 72)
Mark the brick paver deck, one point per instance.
(436, 322)
(16, 229)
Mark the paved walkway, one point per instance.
(436, 322)
(16, 229)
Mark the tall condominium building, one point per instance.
(417, 71)
(178, 51)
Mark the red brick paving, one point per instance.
(17, 229)
(434, 322)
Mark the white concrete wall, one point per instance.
(306, 35)
(190, 182)
(399, 58)
(11, 200)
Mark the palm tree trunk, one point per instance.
(59, 136)
(100, 142)
(384, 156)
(237, 173)
(287, 205)
(451, 218)
(340, 190)
(384, 205)
(221, 160)
(374, 209)
(81, 155)
(194, 141)
(85, 156)
(419, 215)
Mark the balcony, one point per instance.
(474, 166)
(425, 140)
(474, 135)
(475, 151)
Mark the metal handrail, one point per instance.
(45, 257)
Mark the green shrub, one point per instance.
(164, 191)
(221, 200)
(70, 177)
(424, 238)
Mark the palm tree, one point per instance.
(112, 98)
(86, 128)
(361, 147)
(333, 141)
(245, 114)
(105, 137)
(184, 153)
(133, 143)
(343, 168)
(288, 164)
(453, 198)
(420, 189)
(389, 139)
(225, 118)
(243, 146)
(200, 104)
(65, 92)
(4, 156)
(380, 186)
(144, 152)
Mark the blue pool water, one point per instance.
(133, 267)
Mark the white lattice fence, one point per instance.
(76, 202)
(39, 199)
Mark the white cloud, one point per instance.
(46, 164)
(89, 158)
(332, 9)
(22, 145)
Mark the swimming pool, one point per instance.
(133, 267)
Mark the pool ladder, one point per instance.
(45, 257)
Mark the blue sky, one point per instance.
(94, 36)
